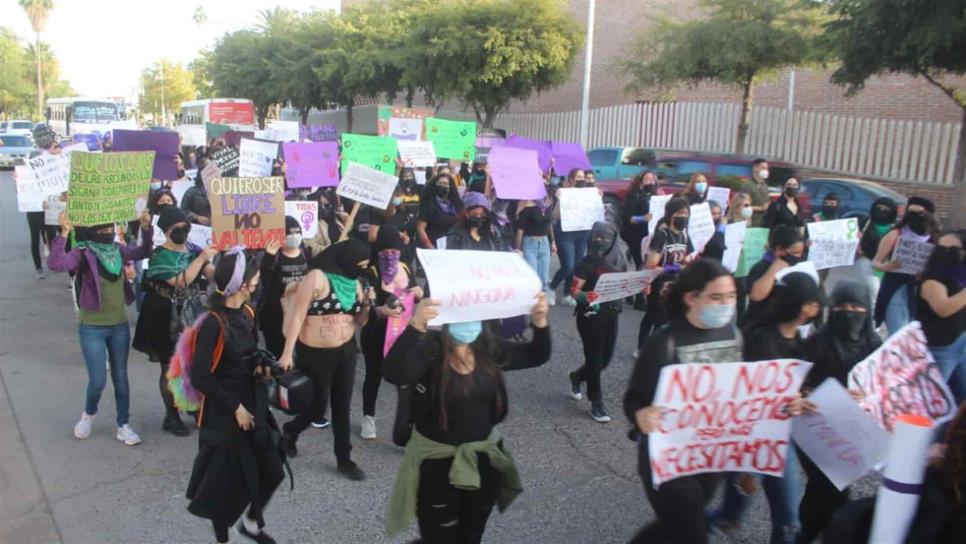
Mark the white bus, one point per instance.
(81, 115)
(239, 113)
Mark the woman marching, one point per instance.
(329, 304)
(282, 266)
(456, 465)
(238, 465)
(596, 323)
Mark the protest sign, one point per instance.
(227, 160)
(656, 208)
(210, 172)
(311, 164)
(567, 156)
(306, 213)
(193, 136)
(701, 226)
(754, 247)
(377, 152)
(805, 267)
(283, 131)
(180, 187)
(479, 285)
(29, 197)
(402, 128)
(55, 206)
(833, 242)
(580, 208)
(489, 140)
(897, 501)
(233, 138)
(79, 146)
(255, 158)
(839, 437)
(454, 140)
(543, 149)
(92, 141)
(164, 144)
(319, 133)
(901, 377)
(247, 211)
(40, 177)
(721, 196)
(420, 176)
(417, 154)
(215, 130)
(734, 236)
(396, 325)
(515, 173)
(619, 285)
(387, 113)
(724, 417)
(912, 255)
(105, 187)
(199, 235)
(367, 186)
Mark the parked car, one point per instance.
(855, 196)
(19, 127)
(15, 149)
(620, 162)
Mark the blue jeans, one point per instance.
(571, 248)
(783, 495)
(98, 344)
(536, 251)
(951, 360)
(897, 311)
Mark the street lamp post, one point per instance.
(588, 61)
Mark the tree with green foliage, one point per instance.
(922, 38)
(165, 85)
(14, 88)
(239, 68)
(200, 69)
(38, 11)
(737, 44)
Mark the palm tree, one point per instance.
(199, 16)
(37, 12)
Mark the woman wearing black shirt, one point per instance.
(786, 210)
(701, 307)
(942, 310)
(596, 323)
(456, 465)
(636, 212)
(669, 249)
(238, 464)
(280, 269)
(438, 211)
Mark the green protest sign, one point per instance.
(756, 240)
(215, 130)
(105, 187)
(377, 152)
(454, 140)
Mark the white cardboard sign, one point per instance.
(283, 131)
(402, 128)
(306, 213)
(618, 285)
(721, 196)
(734, 243)
(833, 242)
(416, 153)
(255, 158)
(700, 226)
(367, 185)
(580, 208)
(912, 255)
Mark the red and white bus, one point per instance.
(239, 113)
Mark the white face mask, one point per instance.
(293, 240)
(763, 174)
(747, 212)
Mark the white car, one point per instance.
(18, 127)
(15, 149)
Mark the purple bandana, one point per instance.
(388, 265)
(238, 275)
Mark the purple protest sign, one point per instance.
(516, 174)
(311, 164)
(234, 137)
(541, 147)
(164, 145)
(567, 156)
(91, 140)
(489, 141)
(318, 133)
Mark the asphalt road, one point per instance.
(580, 476)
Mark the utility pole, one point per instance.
(791, 89)
(588, 61)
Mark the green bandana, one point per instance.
(108, 255)
(344, 289)
(881, 230)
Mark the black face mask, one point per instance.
(679, 223)
(881, 217)
(600, 245)
(102, 237)
(325, 211)
(791, 192)
(792, 260)
(945, 257)
(830, 212)
(847, 324)
(917, 222)
(179, 235)
(648, 189)
(477, 222)
(160, 208)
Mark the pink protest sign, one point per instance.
(516, 175)
(544, 153)
(396, 325)
(311, 164)
(567, 156)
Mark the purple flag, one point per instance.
(516, 174)
(311, 164)
(541, 147)
(164, 145)
(567, 156)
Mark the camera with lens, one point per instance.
(291, 391)
(265, 360)
(393, 303)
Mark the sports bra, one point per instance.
(330, 305)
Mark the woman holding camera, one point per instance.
(238, 466)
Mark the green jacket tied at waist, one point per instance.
(463, 474)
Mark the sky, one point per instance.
(103, 45)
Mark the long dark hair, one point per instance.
(486, 356)
(223, 272)
(693, 279)
(954, 463)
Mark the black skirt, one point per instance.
(152, 335)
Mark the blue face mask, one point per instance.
(715, 316)
(700, 187)
(465, 333)
(155, 185)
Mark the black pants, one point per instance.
(169, 408)
(333, 372)
(820, 501)
(448, 515)
(38, 231)
(372, 344)
(274, 339)
(679, 505)
(599, 335)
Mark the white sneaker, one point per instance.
(83, 428)
(551, 298)
(368, 428)
(128, 436)
(568, 301)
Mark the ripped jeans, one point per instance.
(447, 514)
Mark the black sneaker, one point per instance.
(287, 443)
(598, 413)
(320, 423)
(575, 386)
(175, 426)
(351, 470)
(261, 537)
